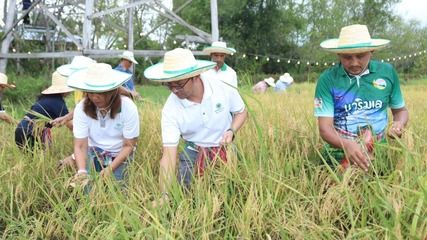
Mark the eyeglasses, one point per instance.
(177, 87)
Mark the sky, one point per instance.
(413, 9)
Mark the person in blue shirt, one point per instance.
(126, 62)
(283, 83)
(50, 104)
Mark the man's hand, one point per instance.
(356, 155)
(395, 130)
(227, 137)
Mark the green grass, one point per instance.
(276, 189)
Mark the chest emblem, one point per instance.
(218, 107)
(379, 83)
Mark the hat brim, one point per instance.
(5, 85)
(156, 73)
(57, 90)
(209, 50)
(78, 80)
(129, 58)
(331, 45)
(66, 70)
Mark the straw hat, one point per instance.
(3, 81)
(98, 77)
(270, 81)
(59, 85)
(354, 39)
(219, 47)
(128, 55)
(78, 63)
(286, 78)
(178, 64)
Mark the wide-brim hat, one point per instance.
(286, 78)
(59, 85)
(78, 63)
(128, 55)
(3, 81)
(98, 77)
(354, 39)
(270, 81)
(219, 47)
(178, 64)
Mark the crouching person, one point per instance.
(105, 123)
(197, 110)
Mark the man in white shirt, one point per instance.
(198, 110)
(218, 52)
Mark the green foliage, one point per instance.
(27, 88)
(272, 188)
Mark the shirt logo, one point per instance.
(359, 104)
(218, 108)
(318, 103)
(379, 83)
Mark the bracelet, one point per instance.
(82, 171)
(73, 157)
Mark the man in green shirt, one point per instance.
(354, 96)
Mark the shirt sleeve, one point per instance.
(323, 99)
(131, 119)
(236, 102)
(80, 122)
(396, 98)
(170, 127)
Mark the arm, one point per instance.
(125, 152)
(80, 152)
(351, 148)
(5, 117)
(167, 167)
(400, 119)
(64, 120)
(238, 121)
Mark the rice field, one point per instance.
(274, 187)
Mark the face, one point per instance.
(219, 58)
(126, 63)
(182, 88)
(355, 63)
(101, 100)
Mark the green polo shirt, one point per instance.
(355, 103)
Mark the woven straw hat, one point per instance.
(219, 47)
(78, 63)
(128, 55)
(270, 81)
(354, 39)
(178, 64)
(98, 77)
(3, 81)
(59, 85)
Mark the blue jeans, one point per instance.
(120, 173)
(187, 160)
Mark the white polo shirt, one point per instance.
(202, 123)
(225, 74)
(108, 133)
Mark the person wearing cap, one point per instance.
(106, 124)
(126, 62)
(218, 52)
(284, 82)
(262, 86)
(50, 104)
(198, 110)
(354, 95)
(4, 85)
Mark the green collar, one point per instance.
(223, 67)
(372, 66)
